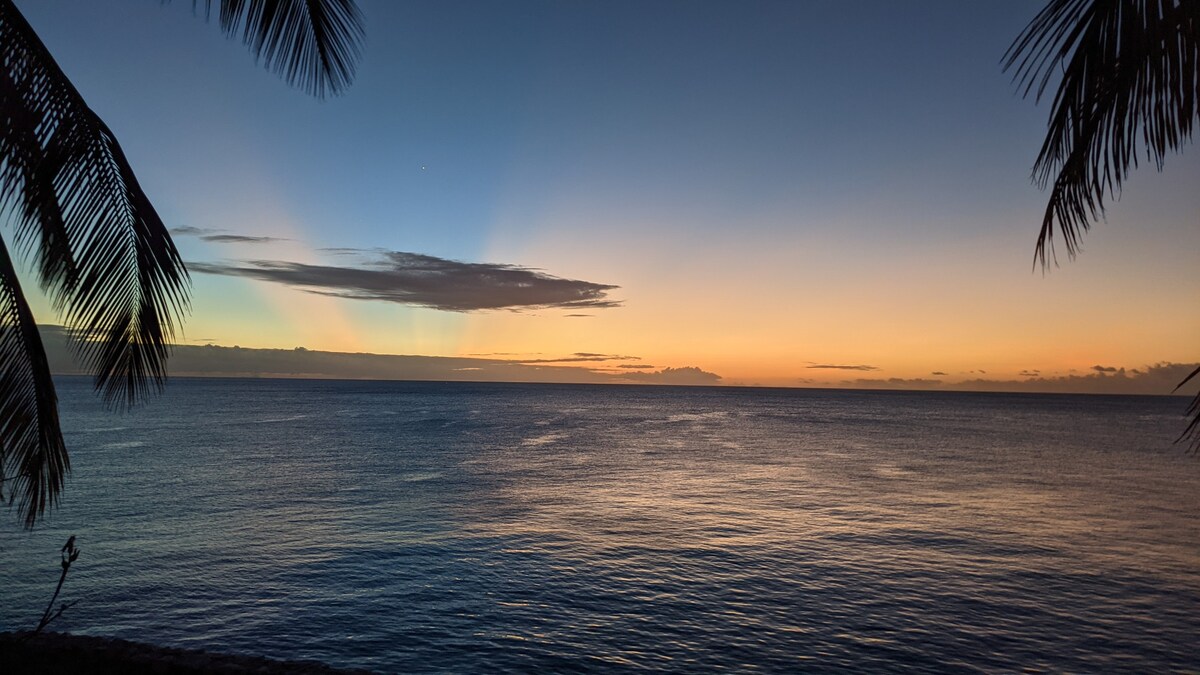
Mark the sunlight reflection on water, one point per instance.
(438, 527)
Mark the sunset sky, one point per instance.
(761, 190)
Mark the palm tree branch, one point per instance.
(127, 286)
(1192, 432)
(1130, 73)
(32, 452)
(1128, 89)
(312, 44)
(26, 191)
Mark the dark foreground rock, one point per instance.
(78, 654)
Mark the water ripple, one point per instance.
(506, 528)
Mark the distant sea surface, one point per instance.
(430, 527)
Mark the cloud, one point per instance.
(239, 239)
(189, 231)
(426, 281)
(210, 360)
(826, 366)
(1160, 378)
(217, 361)
(894, 383)
(581, 357)
(218, 236)
(576, 316)
(685, 375)
(938, 372)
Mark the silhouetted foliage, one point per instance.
(69, 555)
(1192, 432)
(100, 250)
(1128, 87)
(311, 44)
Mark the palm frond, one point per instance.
(104, 256)
(1191, 434)
(1130, 70)
(32, 454)
(312, 44)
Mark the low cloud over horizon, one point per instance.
(685, 375)
(591, 367)
(425, 281)
(894, 383)
(1157, 379)
(299, 362)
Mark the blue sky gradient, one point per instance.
(817, 173)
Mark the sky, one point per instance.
(778, 193)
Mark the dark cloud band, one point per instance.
(581, 357)
(239, 239)
(426, 281)
(828, 366)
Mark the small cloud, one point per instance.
(218, 236)
(581, 357)
(641, 366)
(189, 231)
(1031, 373)
(575, 316)
(938, 372)
(828, 366)
(239, 239)
(1104, 369)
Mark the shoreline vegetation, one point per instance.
(25, 652)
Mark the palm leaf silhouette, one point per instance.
(1128, 88)
(311, 44)
(1130, 73)
(1192, 432)
(35, 458)
(101, 252)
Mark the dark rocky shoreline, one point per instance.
(76, 654)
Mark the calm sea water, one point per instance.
(413, 527)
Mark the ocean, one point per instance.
(483, 528)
